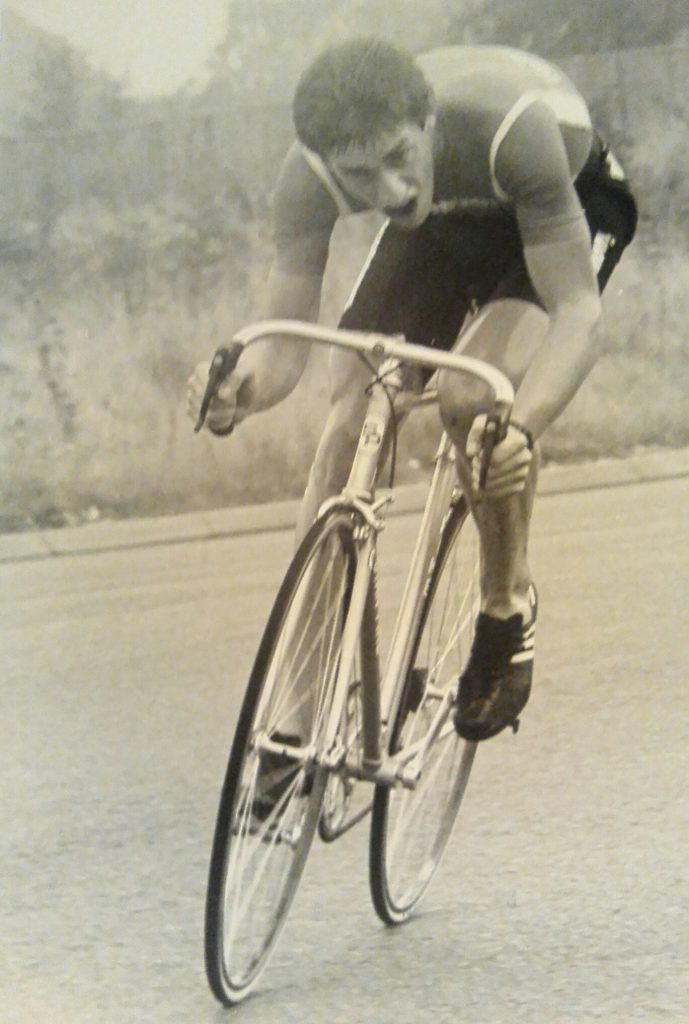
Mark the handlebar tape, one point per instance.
(222, 365)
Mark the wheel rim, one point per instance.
(265, 855)
(418, 821)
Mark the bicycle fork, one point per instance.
(360, 634)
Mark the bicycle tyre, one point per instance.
(257, 860)
(410, 828)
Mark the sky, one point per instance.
(156, 45)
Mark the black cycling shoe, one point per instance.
(495, 685)
(276, 776)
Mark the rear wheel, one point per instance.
(273, 790)
(346, 801)
(410, 827)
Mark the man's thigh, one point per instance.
(348, 375)
(348, 378)
(505, 333)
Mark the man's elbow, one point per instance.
(584, 310)
(580, 318)
(591, 311)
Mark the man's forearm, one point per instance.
(270, 369)
(569, 350)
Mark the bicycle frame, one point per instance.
(379, 696)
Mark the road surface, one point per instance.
(564, 896)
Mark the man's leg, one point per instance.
(496, 682)
(506, 333)
(349, 378)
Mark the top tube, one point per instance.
(384, 346)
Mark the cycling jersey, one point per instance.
(511, 132)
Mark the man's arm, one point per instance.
(533, 166)
(561, 270)
(271, 369)
(535, 170)
(303, 218)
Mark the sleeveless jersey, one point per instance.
(511, 132)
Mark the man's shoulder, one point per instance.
(302, 202)
(492, 75)
(296, 176)
(507, 111)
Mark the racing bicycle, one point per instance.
(322, 721)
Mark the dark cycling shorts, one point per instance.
(422, 283)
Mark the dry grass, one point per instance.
(92, 397)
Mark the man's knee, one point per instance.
(460, 400)
(505, 333)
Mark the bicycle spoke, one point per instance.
(410, 828)
(267, 815)
(311, 643)
(414, 802)
(463, 618)
(263, 845)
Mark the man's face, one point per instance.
(393, 173)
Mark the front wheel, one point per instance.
(410, 827)
(273, 790)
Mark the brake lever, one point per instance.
(222, 365)
(494, 432)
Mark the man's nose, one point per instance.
(393, 190)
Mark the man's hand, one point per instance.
(509, 464)
(222, 409)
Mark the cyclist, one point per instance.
(493, 184)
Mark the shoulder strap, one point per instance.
(569, 108)
(319, 168)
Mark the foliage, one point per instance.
(144, 240)
(188, 248)
(560, 28)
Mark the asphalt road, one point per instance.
(564, 896)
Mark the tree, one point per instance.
(560, 27)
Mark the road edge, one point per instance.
(113, 535)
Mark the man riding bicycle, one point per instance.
(493, 184)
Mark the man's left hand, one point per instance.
(509, 465)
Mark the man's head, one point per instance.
(365, 107)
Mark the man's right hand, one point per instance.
(223, 406)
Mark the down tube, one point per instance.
(351, 634)
(443, 483)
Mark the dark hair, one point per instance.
(355, 90)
